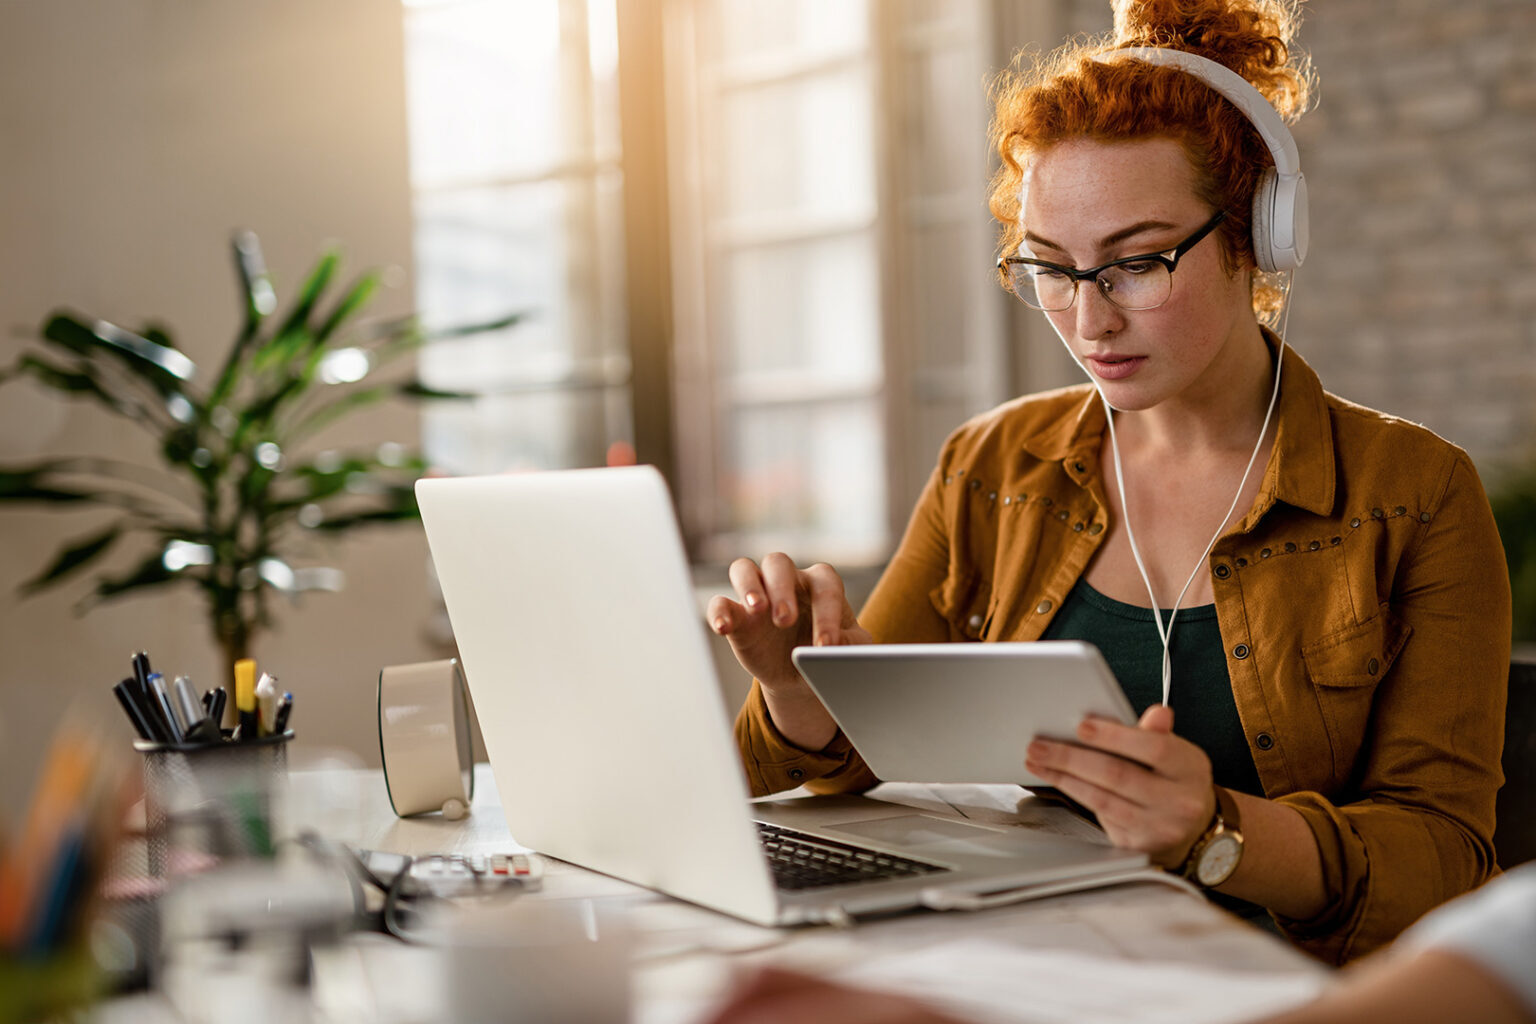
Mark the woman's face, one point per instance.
(1087, 202)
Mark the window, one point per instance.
(838, 318)
(516, 180)
(808, 306)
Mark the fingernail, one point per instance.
(719, 625)
(1086, 729)
(781, 615)
(1036, 750)
(753, 600)
(823, 640)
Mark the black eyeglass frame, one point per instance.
(1167, 257)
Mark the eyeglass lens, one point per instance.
(1143, 284)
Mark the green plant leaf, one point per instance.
(356, 298)
(416, 389)
(464, 330)
(163, 368)
(313, 481)
(71, 380)
(35, 484)
(72, 559)
(335, 409)
(149, 573)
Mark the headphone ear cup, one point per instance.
(1263, 223)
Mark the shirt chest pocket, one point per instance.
(1345, 668)
(963, 599)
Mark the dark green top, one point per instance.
(1203, 709)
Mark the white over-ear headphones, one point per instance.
(1280, 200)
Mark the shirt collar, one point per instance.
(1301, 469)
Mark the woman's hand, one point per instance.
(1151, 789)
(774, 996)
(779, 608)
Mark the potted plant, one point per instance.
(245, 488)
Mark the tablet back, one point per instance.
(960, 712)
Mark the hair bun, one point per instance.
(1252, 37)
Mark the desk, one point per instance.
(686, 956)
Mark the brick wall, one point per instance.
(1419, 297)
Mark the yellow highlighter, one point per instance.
(245, 697)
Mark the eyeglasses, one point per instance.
(1132, 282)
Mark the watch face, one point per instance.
(1218, 860)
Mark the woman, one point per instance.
(1339, 665)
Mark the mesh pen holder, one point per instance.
(205, 805)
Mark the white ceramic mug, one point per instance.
(424, 738)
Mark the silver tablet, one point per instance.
(961, 712)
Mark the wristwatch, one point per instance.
(1218, 851)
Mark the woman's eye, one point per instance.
(1046, 274)
(1139, 266)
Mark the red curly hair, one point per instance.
(1066, 94)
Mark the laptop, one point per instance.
(588, 662)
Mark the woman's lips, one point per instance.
(1115, 368)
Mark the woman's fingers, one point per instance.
(781, 582)
(747, 578)
(828, 602)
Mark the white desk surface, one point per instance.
(1134, 953)
(687, 954)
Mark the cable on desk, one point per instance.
(938, 898)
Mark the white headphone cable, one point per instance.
(1165, 634)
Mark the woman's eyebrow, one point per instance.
(1140, 227)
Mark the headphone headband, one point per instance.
(1280, 202)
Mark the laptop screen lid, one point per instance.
(586, 657)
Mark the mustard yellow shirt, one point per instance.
(1363, 604)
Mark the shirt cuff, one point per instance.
(773, 763)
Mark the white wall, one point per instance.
(134, 136)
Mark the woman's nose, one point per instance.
(1096, 315)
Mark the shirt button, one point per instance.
(797, 774)
(1314, 545)
(1077, 527)
(1240, 651)
(1079, 467)
(1354, 522)
(1047, 502)
(1264, 741)
(1043, 606)
(1222, 571)
(1290, 546)
(1423, 517)
(1242, 562)
(1265, 553)
(975, 621)
(1096, 529)
(1371, 666)
(1377, 513)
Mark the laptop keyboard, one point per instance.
(802, 861)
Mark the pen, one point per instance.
(266, 703)
(218, 698)
(141, 671)
(141, 724)
(162, 697)
(280, 720)
(245, 697)
(200, 725)
(187, 703)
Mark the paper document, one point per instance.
(995, 983)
